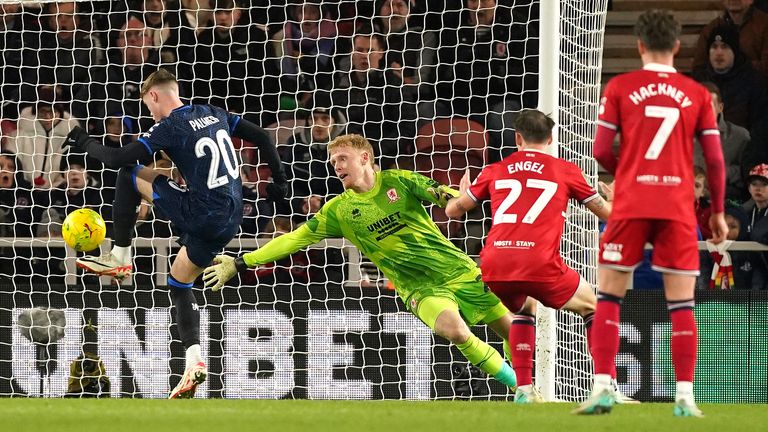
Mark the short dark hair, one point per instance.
(712, 88)
(658, 29)
(534, 126)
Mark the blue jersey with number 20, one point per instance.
(197, 139)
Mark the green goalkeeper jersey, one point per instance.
(390, 225)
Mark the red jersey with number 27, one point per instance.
(529, 192)
(657, 113)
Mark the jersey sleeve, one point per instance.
(232, 119)
(481, 187)
(608, 113)
(579, 188)
(706, 124)
(323, 225)
(427, 189)
(159, 137)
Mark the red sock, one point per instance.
(684, 340)
(522, 343)
(605, 334)
(588, 320)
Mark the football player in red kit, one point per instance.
(657, 112)
(529, 192)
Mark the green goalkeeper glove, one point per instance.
(226, 267)
(442, 194)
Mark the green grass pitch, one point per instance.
(139, 415)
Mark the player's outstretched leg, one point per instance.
(117, 263)
(188, 322)
(441, 314)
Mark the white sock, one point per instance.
(193, 355)
(684, 391)
(526, 388)
(602, 382)
(122, 254)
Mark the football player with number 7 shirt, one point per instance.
(529, 193)
(657, 112)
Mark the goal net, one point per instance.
(434, 86)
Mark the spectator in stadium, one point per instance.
(756, 210)
(743, 89)
(482, 74)
(306, 160)
(15, 199)
(741, 264)
(701, 203)
(306, 47)
(16, 217)
(645, 175)
(39, 138)
(235, 64)
(63, 57)
(115, 89)
(382, 213)
(752, 27)
(13, 43)
(410, 50)
(162, 28)
(735, 140)
(374, 105)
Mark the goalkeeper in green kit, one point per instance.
(382, 214)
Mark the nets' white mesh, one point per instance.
(581, 45)
(435, 93)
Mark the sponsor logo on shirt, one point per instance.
(386, 226)
(355, 213)
(514, 244)
(651, 179)
(612, 252)
(392, 195)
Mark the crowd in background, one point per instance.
(386, 69)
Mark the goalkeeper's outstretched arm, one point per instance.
(227, 267)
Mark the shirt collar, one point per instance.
(658, 67)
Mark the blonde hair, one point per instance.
(157, 78)
(354, 141)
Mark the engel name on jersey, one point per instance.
(529, 192)
(197, 139)
(657, 113)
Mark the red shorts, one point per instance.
(551, 294)
(675, 249)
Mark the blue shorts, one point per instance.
(203, 229)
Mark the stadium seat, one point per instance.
(445, 148)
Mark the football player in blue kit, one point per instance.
(206, 211)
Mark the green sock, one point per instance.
(482, 355)
(507, 351)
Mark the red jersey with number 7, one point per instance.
(529, 192)
(657, 113)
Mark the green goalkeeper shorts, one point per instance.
(467, 294)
